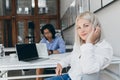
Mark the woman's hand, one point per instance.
(58, 69)
(94, 36)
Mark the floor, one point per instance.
(19, 73)
(33, 72)
(28, 72)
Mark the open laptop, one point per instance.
(29, 52)
(42, 50)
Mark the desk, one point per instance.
(7, 63)
(12, 49)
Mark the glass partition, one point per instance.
(25, 7)
(45, 21)
(21, 32)
(6, 32)
(1, 32)
(5, 7)
(53, 22)
(25, 32)
(47, 7)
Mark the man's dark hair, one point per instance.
(50, 27)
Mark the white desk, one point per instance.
(7, 63)
(12, 49)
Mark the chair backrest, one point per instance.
(94, 76)
(58, 33)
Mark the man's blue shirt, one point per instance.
(56, 44)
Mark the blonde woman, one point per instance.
(90, 54)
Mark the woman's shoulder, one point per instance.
(104, 43)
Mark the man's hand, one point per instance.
(50, 52)
(56, 52)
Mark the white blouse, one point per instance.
(88, 59)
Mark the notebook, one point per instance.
(29, 52)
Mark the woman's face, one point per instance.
(47, 34)
(84, 27)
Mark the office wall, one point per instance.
(64, 5)
(69, 33)
(110, 19)
(69, 36)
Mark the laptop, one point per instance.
(42, 50)
(29, 52)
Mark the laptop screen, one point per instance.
(26, 52)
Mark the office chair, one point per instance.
(94, 76)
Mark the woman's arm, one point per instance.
(66, 61)
(93, 59)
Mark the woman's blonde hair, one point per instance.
(92, 18)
